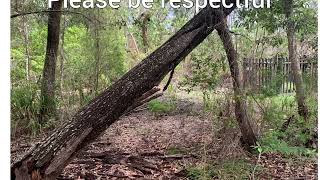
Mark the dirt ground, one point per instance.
(147, 145)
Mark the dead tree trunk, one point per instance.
(48, 107)
(295, 65)
(248, 135)
(49, 157)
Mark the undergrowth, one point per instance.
(25, 103)
(284, 131)
(158, 106)
(231, 169)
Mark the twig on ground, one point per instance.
(255, 167)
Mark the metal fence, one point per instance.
(275, 74)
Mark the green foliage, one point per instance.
(37, 40)
(310, 82)
(234, 169)
(206, 68)
(292, 140)
(76, 87)
(176, 150)
(200, 173)
(161, 106)
(271, 142)
(231, 169)
(276, 109)
(38, 37)
(273, 18)
(274, 88)
(25, 105)
(115, 54)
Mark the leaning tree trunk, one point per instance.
(295, 65)
(48, 107)
(47, 159)
(248, 135)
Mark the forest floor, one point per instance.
(181, 144)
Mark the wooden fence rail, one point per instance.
(274, 74)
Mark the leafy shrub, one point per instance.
(201, 173)
(274, 88)
(234, 169)
(272, 143)
(292, 141)
(231, 169)
(25, 108)
(161, 107)
(207, 67)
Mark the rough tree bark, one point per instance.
(295, 65)
(48, 107)
(248, 136)
(62, 55)
(145, 18)
(48, 158)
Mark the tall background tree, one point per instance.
(295, 64)
(288, 17)
(48, 87)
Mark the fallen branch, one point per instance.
(179, 156)
(116, 175)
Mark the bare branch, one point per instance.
(94, 20)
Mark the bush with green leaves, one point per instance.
(229, 169)
(207, 66)
(285, 131)
(26, 107)
(158, 106)
(272, 142)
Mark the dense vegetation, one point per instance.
(98, 46)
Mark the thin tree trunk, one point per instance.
(26, 44)
(295, 65)
(97, 54)
(49, 157)
(48, 105)
(62, 56)
(144, 30)
(248, 135)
